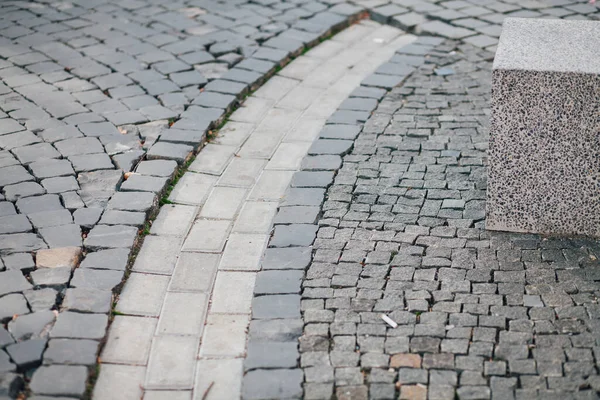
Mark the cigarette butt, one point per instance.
(389, 321)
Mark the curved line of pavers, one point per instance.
(273, 366)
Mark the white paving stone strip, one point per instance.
(183, 314)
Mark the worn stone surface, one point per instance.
(560, 196)
(58, 257)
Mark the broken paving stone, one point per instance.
(31, 326)
(7, 208)
(87, 217)
(5, 364)
(12, 304)
(79, 326)
(53, 277)
(87, 300)
(58, 257)
(110, 236)
(106, 181)
(28, 353)
(59, 380)
(41, 299)
(107, 259)
(5, 338)
(71, 200)
(13, 281)
(71, 352)
(10, 385)
(102, 279)
(128, 160)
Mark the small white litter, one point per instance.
(389, 321)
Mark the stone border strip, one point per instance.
(218, 228)
(281, 306)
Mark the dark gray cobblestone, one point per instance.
(480, 314)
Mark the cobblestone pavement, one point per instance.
(93, 89)
(480, 314)
(185, 309)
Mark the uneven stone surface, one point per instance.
(90, 91)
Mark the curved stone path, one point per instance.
(90, 90)
(184, 311)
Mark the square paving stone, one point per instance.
(101, 279)
(272, 384)
(50, 218)
(59, 380)
(20, 242)
(13, 281)
(133, 201)
(51, 168)
(79, 146)
(293, 235)
(91, 162)
(60, 184)
(13, 304)
(55, 277)
(117, 217)
(79, 326)
(170, 151)
(62, 235)
(114, 236)
(297, 215)
(107, 259)
(87, 300)
(163, 168)
(276, 306)
(71, 352)
(23, 189)
(278, 282)
(271, 355)
(47, 202)
(287, 258)
(14, 224)
(28, 353)
(14, 174)
(35, 152)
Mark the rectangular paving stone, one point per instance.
(158, 255)
(255, 217)
(194, 272)
(243, 252)
(296, 258)
(224, 336)
(293, 235)
(129, 340)
(224, 376)
(143, 295)
(79, 326)
(173, 220)
(192, 189)
(171, 363)
(213, 159)
(271, 185)
(207, 235)
(127, 380)
(223, 203)
(107, 259)
(183, 314)
(227, 282)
